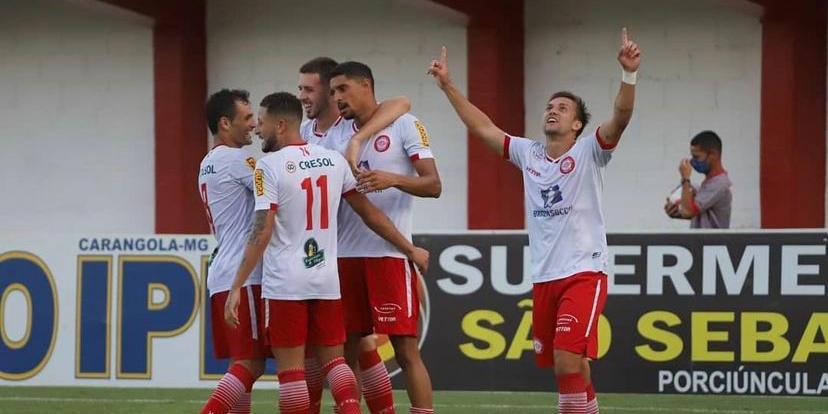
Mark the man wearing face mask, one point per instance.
(708, 206)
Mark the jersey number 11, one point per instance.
(322, 183)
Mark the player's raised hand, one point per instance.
(420, 258)
(439, 70)
(231, 308)
(630, 54)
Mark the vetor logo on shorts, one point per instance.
(384, 347)
(387, 308)
(565, 322)
(382, 143)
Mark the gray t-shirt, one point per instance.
(714, 201)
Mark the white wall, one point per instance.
(76, 120)
(259, 45)
(701, 69)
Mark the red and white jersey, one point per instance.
(225, 182)
(394, 149)
(304, 184)
(563, 203)
(335, 138)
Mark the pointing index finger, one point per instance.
(624, 39)
(443, 56)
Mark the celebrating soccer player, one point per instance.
(225, 182)
(326, 127)
(379, 287)
(563, 182)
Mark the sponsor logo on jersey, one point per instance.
(550, 197)
(258, 182)
(290, 167)
(315, 163)
(382, 143)
(423, 133)
(556, 197)
(206, 170)
(313, 256)
(363, 165)
(251, 162)
(567, 165)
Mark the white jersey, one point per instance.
(335, 138)
(394, 149)
(225, 182)
(304, 184)
(563, 205)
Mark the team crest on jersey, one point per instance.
(423, 133)
(258, 181)
(382, 143)
(313, 256)
(567, 165)
(251, 162)
(290, 167)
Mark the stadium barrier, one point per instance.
(707, 312)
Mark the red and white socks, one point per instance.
(313, 376)
(242, 406)
(293, 392)
(572, 394)
(237, 382)
(376, 384)
(592, 400)
(343, 386)
(415, 410)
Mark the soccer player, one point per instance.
(298, 190)
(225, 183)
(326, 127)
(379, 287)
(563, 181)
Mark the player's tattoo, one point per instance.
(257, 226)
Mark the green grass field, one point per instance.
(69, 400)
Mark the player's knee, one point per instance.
(406, 351)
(255, 367)
(567, 362)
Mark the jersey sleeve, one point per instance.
(265, 187)
(601, 151)
(415, 138)
(241, 171)
(348, 180)
(516, 150)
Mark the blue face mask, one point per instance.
(703, 167)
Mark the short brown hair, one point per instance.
(581, 112)
(322, 66)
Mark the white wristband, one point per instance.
(629, 77)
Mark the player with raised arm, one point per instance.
(326, 127)
(379, 287)
(298, 190)
(225, 182)
(563, 182)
